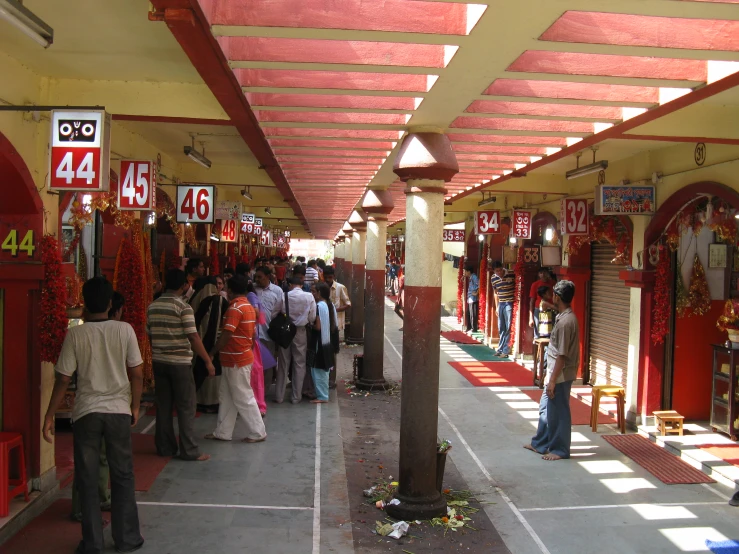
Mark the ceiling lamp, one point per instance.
(26, 22)
(268, 210)
(247, 194)
(594, 167)
(196, 156)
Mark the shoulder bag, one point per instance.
(281, 329)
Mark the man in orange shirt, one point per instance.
(235, 395)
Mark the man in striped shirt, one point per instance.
(170, 324)
(236, 396)
(504, 289)
(311, 275)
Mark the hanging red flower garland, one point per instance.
(232, 258)
(215, 263)
(661, 312)
(128, 280)
(53, 321)
(518, 272)
(483, 297)
(460, 290)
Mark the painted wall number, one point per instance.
(27, 245)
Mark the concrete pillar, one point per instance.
(348, 260)
(377, 204)
(339, 258)
(425, 162)
(358, 221)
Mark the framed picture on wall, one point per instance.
(717, 255)
(67, 238)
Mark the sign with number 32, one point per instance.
(195, 203)
(574, 216)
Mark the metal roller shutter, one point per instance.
(609, 319)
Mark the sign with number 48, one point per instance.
(195, 203)
(229, 230)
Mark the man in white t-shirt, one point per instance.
(105, 355)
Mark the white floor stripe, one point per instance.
(230, 506)
(317, 487)
(503, 495)
(148, 427)
(610, 506)
(716, 491)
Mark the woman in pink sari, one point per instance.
(257, 373)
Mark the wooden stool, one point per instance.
(599, 391)
(661, 419)
(8, 441)
(540, 345)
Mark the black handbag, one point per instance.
(281, 329)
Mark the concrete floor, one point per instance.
(272, 497)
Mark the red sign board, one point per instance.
(487, 222)
(266, 238)
(574, 217)
(195, 203)
(80, 150)
(257, 226)
(521, 224)
(229, 230)
(394, 239)
(453, 235)
(137, 185)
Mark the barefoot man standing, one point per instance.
(553, 436)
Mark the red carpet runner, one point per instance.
(459, 337)
(494, 374)
(579, 410)
(664, 466)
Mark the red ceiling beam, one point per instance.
(188, 24)
(618, 131)
(666, 138)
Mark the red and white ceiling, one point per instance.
(335, 84)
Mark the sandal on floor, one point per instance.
(212, 437)
(251, 441)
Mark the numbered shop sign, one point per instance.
(531, 255)
(266, 238)
(136, 185)
(80, 150)
(229, 230)
(281, 242)
(487, 222)
(394, 239)
(453, 235)
(521, 224)
(574, 218)
(18, 242)
(227, 209)
(257, 226)
(196, 203)
(247, 223)
(288, 233)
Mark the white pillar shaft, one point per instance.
(376, 243)
(348, 249)
(358, 242)
(423, 237)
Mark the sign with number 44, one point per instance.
(80, 150)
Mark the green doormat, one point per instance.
(482, 353)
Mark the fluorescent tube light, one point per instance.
(26, 22)
(587, 169)
(247, 194)
(196, 156)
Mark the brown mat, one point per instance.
(666, 467)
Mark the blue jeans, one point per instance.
(505, 309)
(554, 433)
(536, 323)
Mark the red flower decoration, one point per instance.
(661, 313)
(460, 291)
(53, 321)
(483, 299)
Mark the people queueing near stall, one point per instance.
(323, 344)
(106, 357)
(195, 269)
(544, 280)
(301, 309)
(208, 306)
(235, 344)
(170, 324)
(554, 432)
(273, 302)
(262, 357)
(311, 275)
(339, 298)
(504, 291)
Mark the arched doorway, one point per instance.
(21, 227)
(656, 377)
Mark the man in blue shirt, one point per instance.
(473, 298)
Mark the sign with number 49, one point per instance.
(195, 203)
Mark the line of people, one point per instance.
(210, 339)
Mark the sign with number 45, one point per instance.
(136, 185)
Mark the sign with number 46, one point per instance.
(195, 203)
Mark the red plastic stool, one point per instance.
(8, 441)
